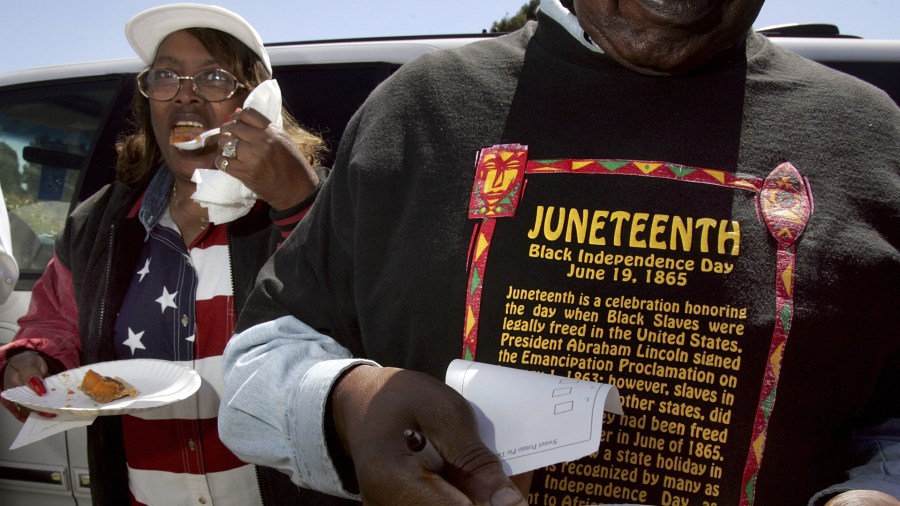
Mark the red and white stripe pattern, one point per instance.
(174, 453)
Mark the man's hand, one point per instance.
(373, 406)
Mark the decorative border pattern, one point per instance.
(785, 204)
(649, 169)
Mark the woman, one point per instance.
(141, 271)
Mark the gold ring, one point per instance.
(230, 149)
(224, 165)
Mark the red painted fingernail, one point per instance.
(37, 385)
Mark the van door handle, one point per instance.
(44, 475)
(82, 478)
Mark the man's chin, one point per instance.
(654, 62)
(677, 13)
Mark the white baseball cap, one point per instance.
(147, 29)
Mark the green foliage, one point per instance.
(9, 169)
(21, 183)
(512, 23)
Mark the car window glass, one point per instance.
(885, 75)
(339, 90)
(46, 136)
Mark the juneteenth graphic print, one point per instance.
(631, 281)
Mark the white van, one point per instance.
(58, 127)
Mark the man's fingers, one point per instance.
(480, 476)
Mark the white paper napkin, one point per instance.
(223, 195)
(37, 427)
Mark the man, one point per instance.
(621, 192)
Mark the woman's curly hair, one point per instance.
(138, 154)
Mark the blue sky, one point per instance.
(38, 33)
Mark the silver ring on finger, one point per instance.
(223, 166)
(230, 149)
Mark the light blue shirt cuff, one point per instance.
(307, 432)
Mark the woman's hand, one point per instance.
(26, 368)
(266, 160)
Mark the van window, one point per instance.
(337, 91)
(47, 133)
(884, 74)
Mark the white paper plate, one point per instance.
(159, 382)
